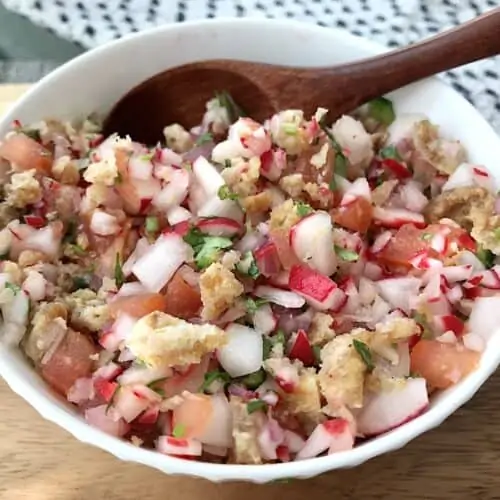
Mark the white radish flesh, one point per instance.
(290, 300)
(484, 319)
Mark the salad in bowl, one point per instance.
(243, 292)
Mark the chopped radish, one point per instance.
(108, 372)
(131, 401)
(264, 320)
(456, 273)
(116, 335)
(396, 217)
(131, 288)
(215, 207)
(281, 279)
(242, 354)
(270, 438)
(81, 391)
(141, 248)
(272, 164)
(447, 337)
(106, 420)
(293, 441)
(178, 214)
(470, 175)
(311, 240)
(283, 298)
(207, 177)
(484, 318)
(219, 226)
(155, 268)
(142, 374)
(301, 349)
(174, 191)
(318, 290)
(358, 189)
(412, 197)
(249, 242)
(267, 259)
(104, 224)
(487, 279)
(140, 167)
(402, 127)
(389, 409)
(381, 241)
(333, 435)
(105, 388)
(450, 323)
(398, 291)
(35, 285)
(474, 342)
(179, 446)
(397, 168)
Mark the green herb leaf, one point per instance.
(317, 354)
(210, 250)
(333, 183)
(80, 282)
(31, 133)
(179, 431)
(111, 399)
(233, 110)
(204, 139)
(119, 178)
(212, 376)
(364, 353)
(270, 342)
(426, 236)
(248, 266)
(290, 128)
(346, 255)
(254, 380)
(422, 321)
(12, 286)
(119, 276)
(224, 193)
(194, 237)
(4, 256)
(486, 257)
(389, 152)
(340, 164)
(71, 232)
(253, 304)
(496, 232)
(147, 157)
(303, 209)
(227, 163)
(256, 405)
(381, 109)
(152, 224)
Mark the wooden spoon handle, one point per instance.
(474, 40)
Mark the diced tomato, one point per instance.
(193, 414)
(405, 245)
(356, 216)
(281, 240)
(138, 305)
(442, 365)
(26, 153)
(182, 300)
(70, 361)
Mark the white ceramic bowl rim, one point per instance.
(221, 472)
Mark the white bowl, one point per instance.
(95, 80)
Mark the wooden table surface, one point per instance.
(458, 461)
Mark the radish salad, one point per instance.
(248, 292)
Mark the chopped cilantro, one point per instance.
(4, 256)
(333, 183)
(248, 266)
(303, 209)
(253, 304)
(346, 255)
(152, 224)
(340, 164)
(389, 152)
(204, 139)
(194, 237)
(77, 249)
(211, 377)
(119, 178)
(256, 405)
(210, 250)
(186, 165)
(12, 286)
(424, 324)
(270, 342)
(254, 380)
(496, 232)
(227, 163)
(179, 431)
(119, 277)
(426, 236)
(71, 232)
(80, 282)
(364, 353)
(317, 354)
(31, 133)
(290, 128)
(381, 109)
(147, 157)
(224, 193)
(111, 399)
(486, 257)
(226, 101)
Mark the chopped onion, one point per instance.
(104, 224)
(106, 420)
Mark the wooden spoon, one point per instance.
(179, 95)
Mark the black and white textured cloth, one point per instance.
(391, 22)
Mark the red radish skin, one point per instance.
(267, 259)
(219, 226)
(301, 349)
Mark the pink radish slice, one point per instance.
(485, 317)
(81, 391)
(280, 280)
(301, 349)
(267, 259)
(178, 446)
(106, 420)
(141, 374)
(293, 441)
(283, 298)
(131, 400)
(412, 197)
(174, 192)
(358, 189)
(207, 177)
(269, 438)
(112, 339)
(107, 372)
(140, 167)
(318, 290)
(168, 157)
(396, 217)
(141, 248)
(157, 266)
(178, 214)
(333, 435)
(131, 288)
(215, 207)
(373, 271)
(353, 301)
(250, 242)
(264, 321)
(456, 273)
(242, 354)
(104, 224)
(35, 285)
(398, 291)
(311, 241)
(219, 226)
(272, 164)
(487, 279)
(381, 241)
(470, 175)
(387, 410)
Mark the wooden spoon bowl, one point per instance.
(179, 95)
